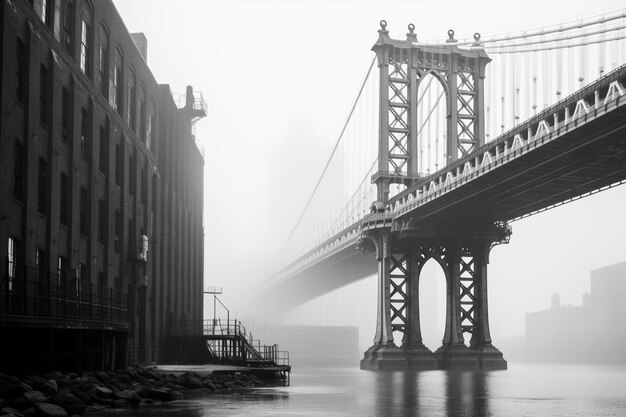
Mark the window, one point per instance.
(64, 201)
(103, 153)
(85, 39)
(150, 128)
(83, 275)
(132, 174)
(101, 221)
(21, 72)
(44, 96)
(101, 279)
(61, 269)
(118, 231)
(144, 184)
(12, 252)
(142, 113)
(84, 211)
(42, 186)
(67, 34)
(40, 264)
(85, 130)
(131, 101)
(43, 10)
(117, 90)
(119, 163)
(66, 114)
(103, 62)
(18, 171)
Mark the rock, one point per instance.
(101, 376)
(123, 377)
(63, 381)
(103, 392)
(152, 375)
(177, 395)
(54, 385)
(50, 410)
(210, 385)
(52, 375)
(12, 389)
(69, 402)
(130, 396)
(95, 408)
(83, 396)
(10, 411)
(119, 403)
(190, 381)
(161, 394)
(19, 403)
(35, 397)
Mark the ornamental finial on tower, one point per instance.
(411, 36)
(476, 39)
(450, 36)
(383, 33)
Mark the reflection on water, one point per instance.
(423, 393)
(523, 390)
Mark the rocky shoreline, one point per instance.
(57, 394)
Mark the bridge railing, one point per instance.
(223, 330)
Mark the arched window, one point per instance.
(118, 82)
(142, 113)
(103, 61)
(131, 104)
(86, 16)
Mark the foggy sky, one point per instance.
(279, 77)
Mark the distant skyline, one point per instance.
(279, 77)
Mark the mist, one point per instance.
(279, 77)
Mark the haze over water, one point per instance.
(523, 390)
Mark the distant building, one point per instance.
(315, 345)
(101, 184)
(592, 333)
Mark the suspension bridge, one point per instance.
(446, 144)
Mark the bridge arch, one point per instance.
(433, 109)
(432, 302)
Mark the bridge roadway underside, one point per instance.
(587, 158)
(338, 270)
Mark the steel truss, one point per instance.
(403, 64)
(464, 262)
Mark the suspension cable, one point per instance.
(332, 154)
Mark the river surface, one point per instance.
(523, 390)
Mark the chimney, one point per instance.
(141, 42)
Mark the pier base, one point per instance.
(457, 357)
(420, 358)
(384, 357)
(490, 358)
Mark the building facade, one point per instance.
(594, 332)
(101, 192)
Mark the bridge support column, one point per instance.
(384, 354)
(489, 357)
(466, 311)
(418, 355)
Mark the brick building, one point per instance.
(101, 188)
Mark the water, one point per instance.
(523, 390)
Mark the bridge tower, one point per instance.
(403, 248)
